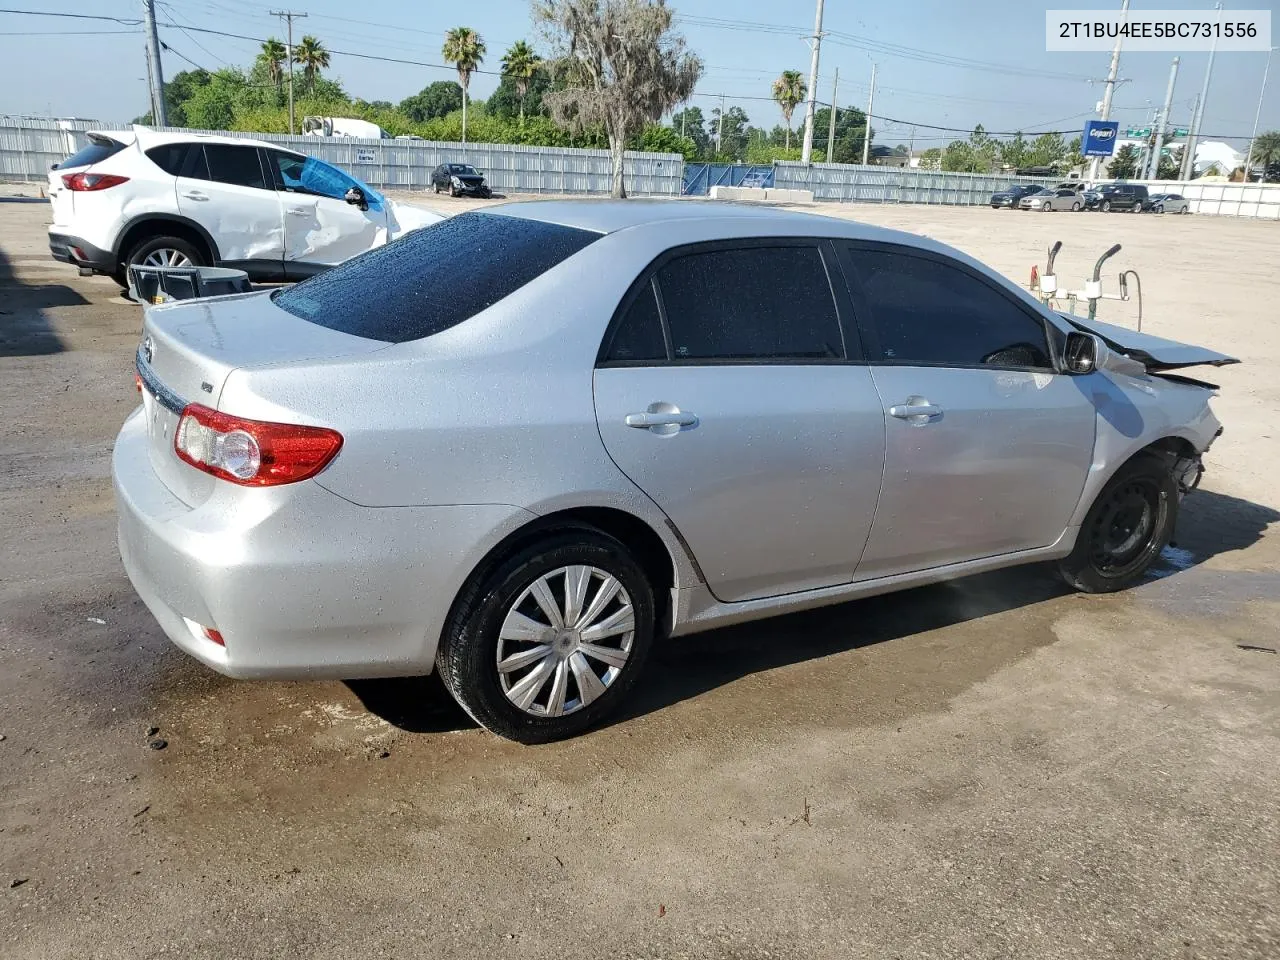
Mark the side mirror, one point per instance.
(1081, 354)
(355, 197)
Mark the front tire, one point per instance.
(1075, 207)
(1106, 206)
(1128, 525)
(552, 639)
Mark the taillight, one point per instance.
(252, 453)
(81, 182)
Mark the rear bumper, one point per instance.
(66, 248)
(300, 582)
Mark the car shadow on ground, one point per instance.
(1209, 524)
(25, 328)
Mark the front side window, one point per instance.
(235, 165)
(309, 175)
(928, 313)
(410, 289)
(755, 303)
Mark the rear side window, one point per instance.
(756, 303)
(170, 156)
(95, 152)
(237, 165)
(433, 278)
(639, 333)
(929, 313)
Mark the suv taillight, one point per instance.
(82, 182)
(252, 453)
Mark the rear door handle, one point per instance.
(643, 421)
(195, 196)
(916, 409)
(294, 212)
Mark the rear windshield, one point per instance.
(433, 278)
(95, 152)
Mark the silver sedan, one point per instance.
(520, 445)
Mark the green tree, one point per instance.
(1047, 150)
(520, 63)
(690, 123)
(1266, 150)
(274, 55)
(623, 65)
(464, 48)
(177, 91)
(1014, 153)
(931, 159)
(730, 136)
(1170, 164)
(851, 128)
(959, 157)
(1125, 162)
(789, 90)
(659, 139)
(212, 106)
(1073, 158)
(984, 150)
(434, 100)
(311, 55)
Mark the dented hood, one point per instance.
(1155, 353)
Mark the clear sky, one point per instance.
(939, 62)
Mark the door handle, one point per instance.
(294, 212)
(916, 409)
(195, 196)
(644, 421)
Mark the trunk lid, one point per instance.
(1155, 353)
(189, 349)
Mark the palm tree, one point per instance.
(274, 56)
(312, 55)
(789, 90)
(1266, 150)
(465, 50)
(520, 63)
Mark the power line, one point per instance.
(66, 33)
(76, 16)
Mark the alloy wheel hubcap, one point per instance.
(166, 257)
(565, 640)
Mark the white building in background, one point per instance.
(1212, 156)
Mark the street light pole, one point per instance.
(866, 132)
(1258, 113)
(807, 151)
(1189, 154)
(1154, 162)
(1110, 91)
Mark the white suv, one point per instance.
(172, 199)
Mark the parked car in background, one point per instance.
(343, 127)
(1047, 200)
(1116, 196)
(178, 199)
(630, 420)
(458, 179)
(1167, 203)
(1011, 195)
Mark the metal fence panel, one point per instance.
(29, 147)
(874, 184)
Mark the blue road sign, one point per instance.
(1099, 138)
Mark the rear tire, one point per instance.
(1128, 525)
(500, 616)
(161, 251)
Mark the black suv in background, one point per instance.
(1116, 196)
(1010, 196)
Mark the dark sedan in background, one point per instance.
(459, 179)
(1011, 196)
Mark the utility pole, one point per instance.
(289, 16)
(720, 127)
(807, 152)
(831, 127)
(155, 73)
(871, 102)
(1153, 164)
(1189, 155)
(1248, 160)
(1110, 91)
(1182, 167)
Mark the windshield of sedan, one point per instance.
(464, 169)
(433, 278)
